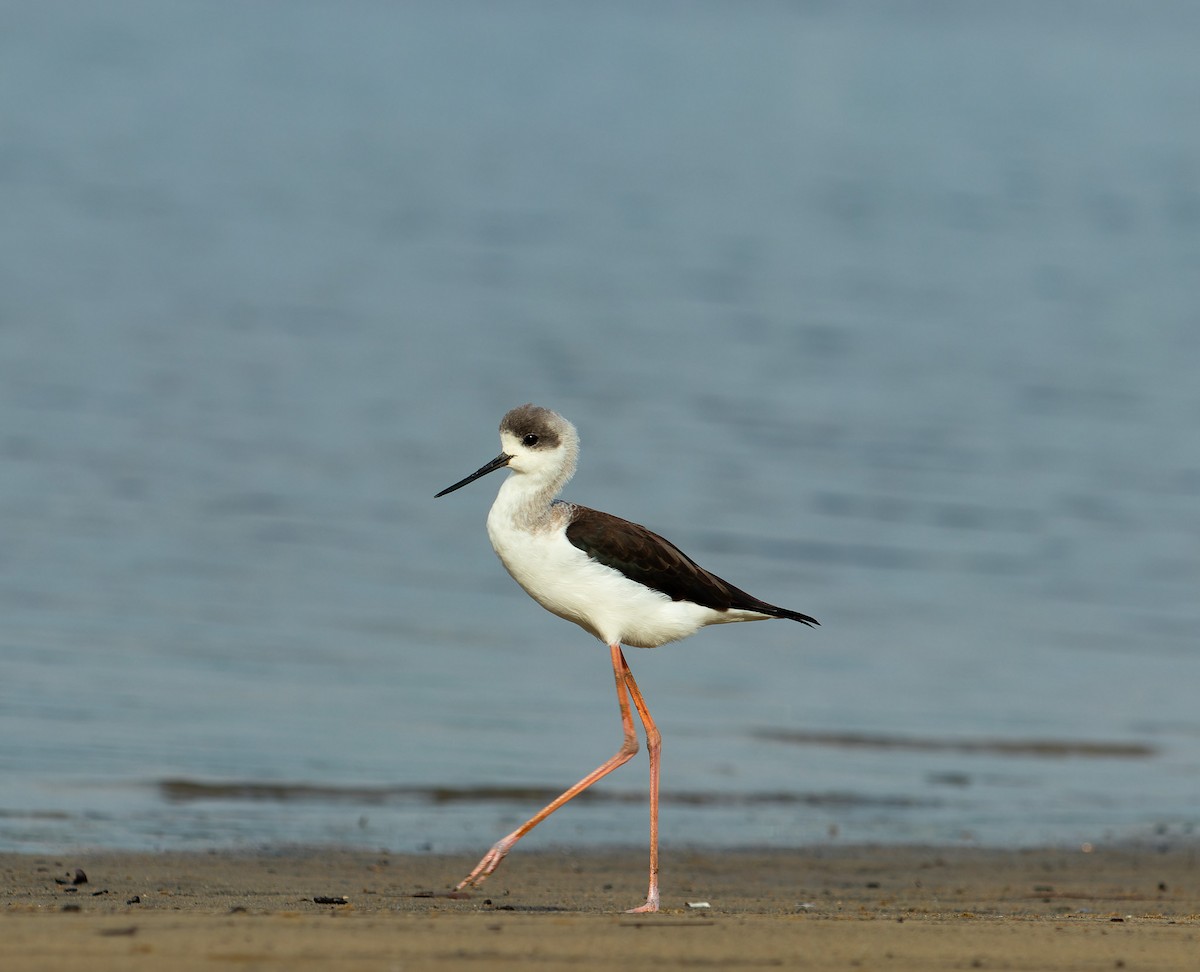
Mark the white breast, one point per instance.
(567, 582)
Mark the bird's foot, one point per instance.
(491, 861)
(649, 907)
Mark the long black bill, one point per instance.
(498, 463)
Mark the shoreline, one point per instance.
(911, 908)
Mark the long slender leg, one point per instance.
(629, 746)
(654, 747)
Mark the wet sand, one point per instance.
(828, 908)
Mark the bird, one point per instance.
(616, 579)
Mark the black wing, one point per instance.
(654, 561)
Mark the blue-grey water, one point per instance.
(889, 313)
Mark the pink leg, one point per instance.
(654, 746)
(629, 746)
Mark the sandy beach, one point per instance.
(828, 908)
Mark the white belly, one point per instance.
(566, 581)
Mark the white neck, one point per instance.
(525, 496)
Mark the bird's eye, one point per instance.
(530, 440)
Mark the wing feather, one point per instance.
(645, 557)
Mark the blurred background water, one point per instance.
(886, 312)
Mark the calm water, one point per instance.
(886, 315)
